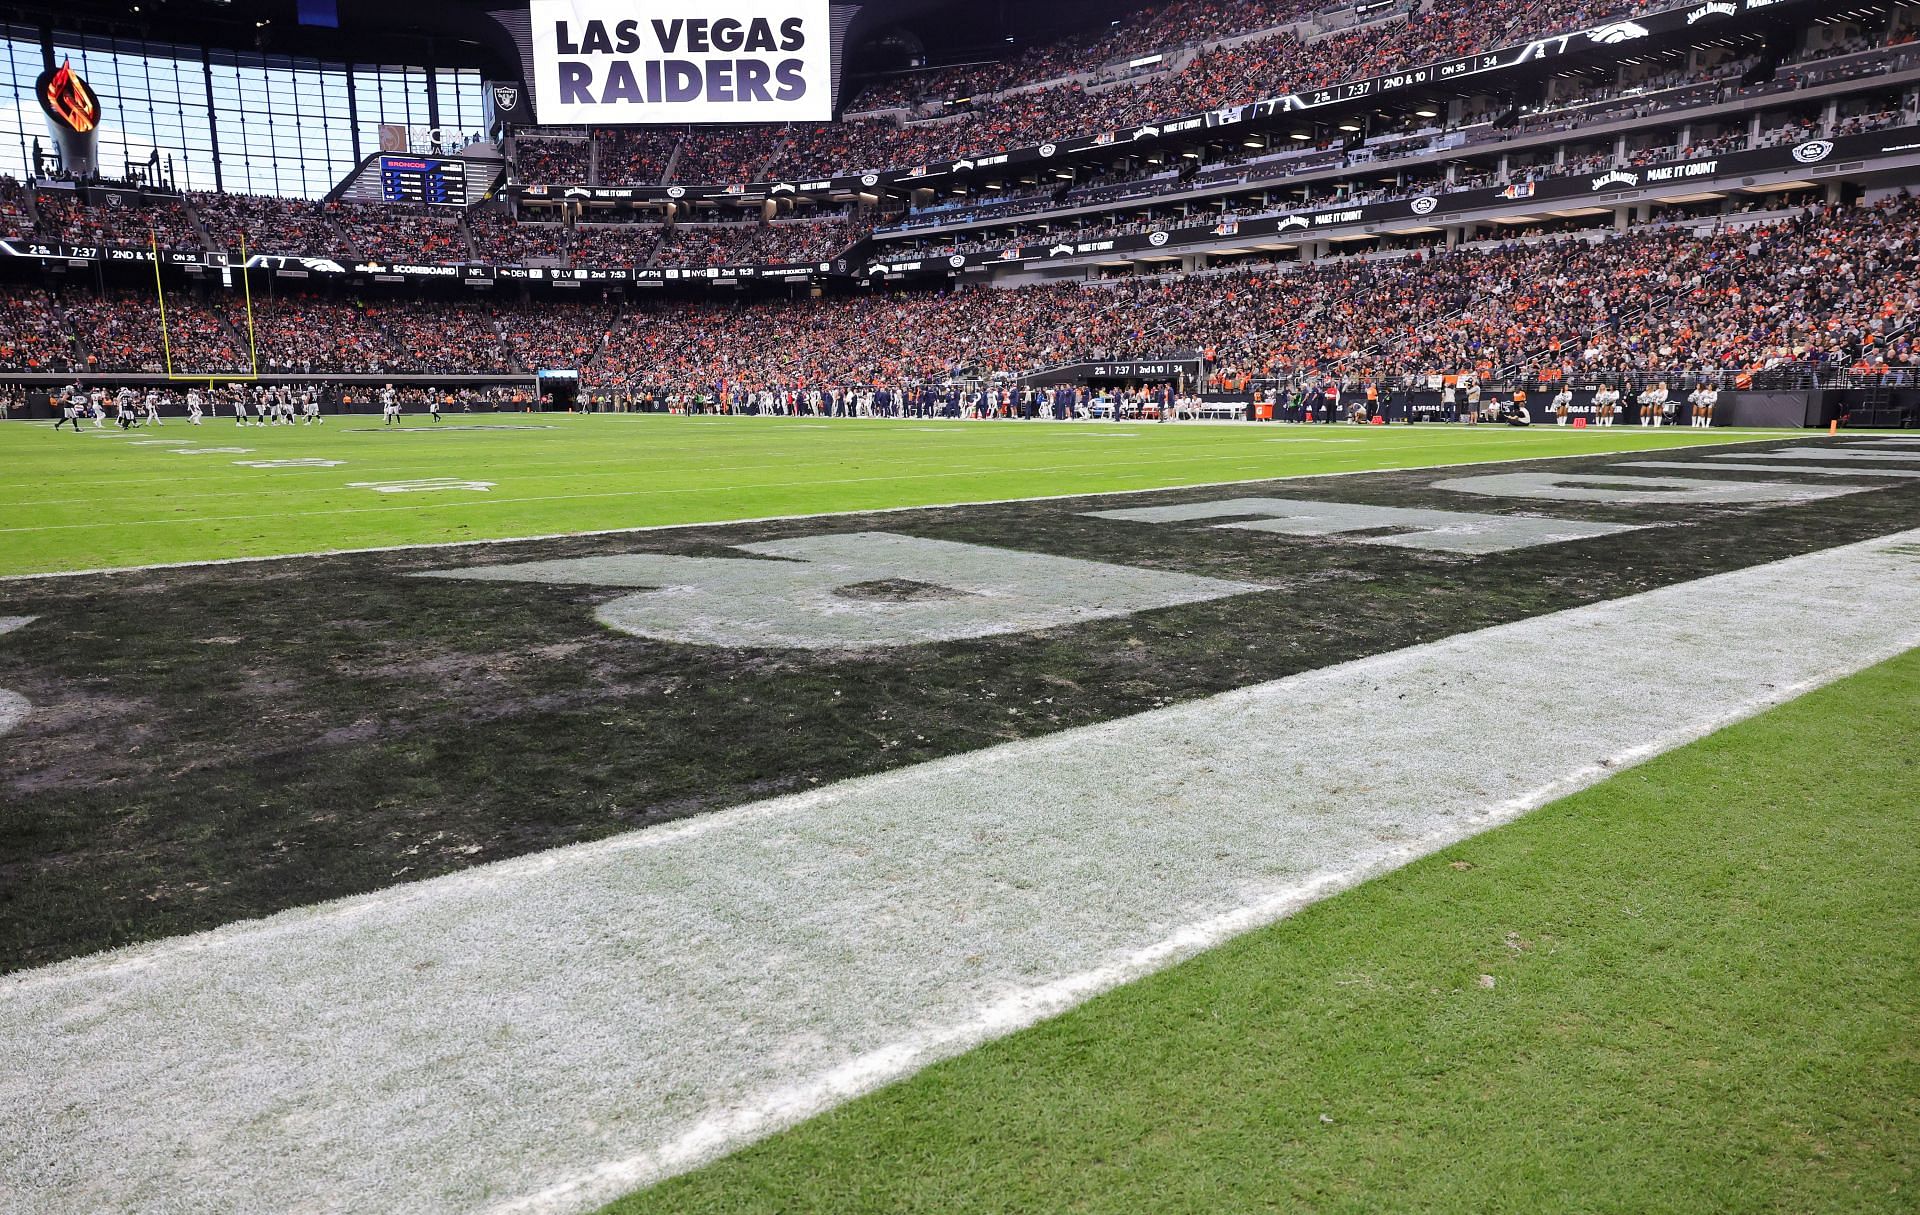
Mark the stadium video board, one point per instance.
(423, 179)
(732, 61)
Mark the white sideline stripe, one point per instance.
(825, 514)
(544, 1033)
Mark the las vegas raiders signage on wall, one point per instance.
(615, 61)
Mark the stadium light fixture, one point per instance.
(1426, 113)
(1299, 135)
(1349, 127)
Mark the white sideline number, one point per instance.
(13, 706)
(1436, 530)
(812, 596)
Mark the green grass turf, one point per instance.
(82, 502)
(1705, 997)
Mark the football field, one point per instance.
(178, 493)
(958, 817)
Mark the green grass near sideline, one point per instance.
(1705, 996)
(84, 502)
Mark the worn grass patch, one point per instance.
(1694, 987)
(220, 742)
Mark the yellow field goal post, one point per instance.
(166, 338)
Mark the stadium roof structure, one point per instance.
(455, 32)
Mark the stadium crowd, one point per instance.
(1825, 286)
(1155, 28)
(622, 245)
(400, 234)
(65, 215)
(500, 240)
(551, 160)
(16, 221)
(121, 330)
(1217, 76)
(631, 155)
(1650, 302)
(447, 337)
(270, 224)
(308, 335)
(755, 242)
(34, 333)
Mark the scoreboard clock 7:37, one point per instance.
(425, 179)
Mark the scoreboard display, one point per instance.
(423, 179)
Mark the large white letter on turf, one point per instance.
(1439, 530)
(1626, 491)
(858, 591)
(13, 706)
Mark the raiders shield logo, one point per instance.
(506, 97)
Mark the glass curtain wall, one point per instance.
(21, 122)
(281, 124)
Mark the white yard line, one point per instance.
(543, 1033)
